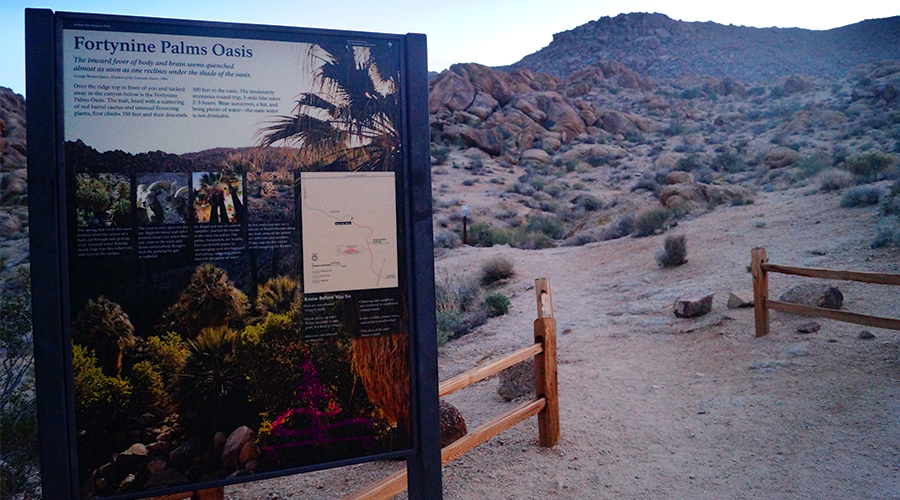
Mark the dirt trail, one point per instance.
(653, 406)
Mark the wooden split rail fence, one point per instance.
(760, 269)
(545, 405)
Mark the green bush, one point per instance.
(887, 232)
(809, 166)
(650, 221)
(870, 166)
(497, 304)
(19, 469)
(890, 205)
(673, 253)
(99, 398)
(148, 389)
(496, 269)
(550, 225)
(440, 153)
(861, 196)
(166, 352)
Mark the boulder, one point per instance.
(740, 299)
(132, 459)
(679, 177)
(450, 91)
(165, 477)
(709, 194)
(809, 327)
(780, 156)
(233, 445)
(814, 294)
(693, 306)
(538, 155)
(517, 380)
(248, 452)
(185, 453)
(453, 426)
(219, 440)
(157, 464)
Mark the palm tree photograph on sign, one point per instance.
(350, 119)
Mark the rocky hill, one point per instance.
(660, 47)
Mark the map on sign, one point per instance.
(349, 231)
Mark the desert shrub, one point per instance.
(689, 163)
(440, 153)
(211, 388)
(673, 253)
(166, 352)
(589, 203)
(648, 183)
(99, 398)
(553, 190)
(469, 182)
(704, 175)
(19, 469)
(447, 239)
(482, 234)
(650, 221)
(458, 306)
(834, 180)
(887, 232)
(595, 160)
(278, 295)
(148, 389)
(105, 328)
(211, 299)
(870, 166)
(861, 196)
(741, 198)
(891, 203)
(809, 166)
(623, 226)
(496, 269)
(497, 304)
(728, 162)
(550, 225)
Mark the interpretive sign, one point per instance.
(235, 250)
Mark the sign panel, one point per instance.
(235, 209)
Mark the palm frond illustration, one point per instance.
(350, 119)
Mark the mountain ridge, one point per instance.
(658, 46)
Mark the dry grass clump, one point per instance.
(834, 180)
(496, 269)
(674, 252)
(650, 221)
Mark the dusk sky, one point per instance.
(488, 32)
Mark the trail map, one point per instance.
(349, 231)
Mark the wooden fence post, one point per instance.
(545, 377)
(760, 290)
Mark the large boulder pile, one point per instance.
(14, 259)
(510, 113)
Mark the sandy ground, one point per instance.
(656, 407)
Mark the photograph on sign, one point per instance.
(235, 276)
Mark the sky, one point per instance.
(491, 32)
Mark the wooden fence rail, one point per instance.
(760, 267)
(545, 405)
